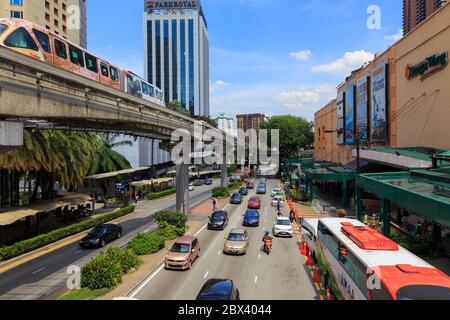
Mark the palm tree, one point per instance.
(107, 159)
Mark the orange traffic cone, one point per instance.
(317, 277)
(309, 261)
(328, 295)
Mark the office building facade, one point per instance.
(66, 18)
(416, 11)
(250, 121)
(225, 123)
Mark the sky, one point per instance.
(268, 56)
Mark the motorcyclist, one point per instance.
(292, 216)
(279, 207)
(267, 241)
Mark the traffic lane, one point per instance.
(43, 266)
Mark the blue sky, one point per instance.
(270, 56)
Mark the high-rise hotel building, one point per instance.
(416, 11)
(66, 18)
(176, 61)
(177, 52)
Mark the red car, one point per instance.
(254, 203)
(250, 185)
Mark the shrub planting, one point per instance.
(220, 193)
(162, 194)
(24, 246)
(175, 218)
(127, 259)
(101, 272)
(144, 243)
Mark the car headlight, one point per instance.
(95, 240)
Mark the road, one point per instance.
(29, 279)
(280, 276)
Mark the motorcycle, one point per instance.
(267, 247)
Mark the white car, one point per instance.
(191, 187)
(275, 192)
(282, 227)
(275, 201)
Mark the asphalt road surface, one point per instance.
(279, 276)
(140, 221)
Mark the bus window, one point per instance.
(91, 63)
(3, 28)
(145, 88)
(76, 56)
(43, 40)
(60, 48)
(104, 69)
(114, 74)
(20, 38)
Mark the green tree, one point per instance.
(175, 105)
(295, 133)
(107, 159)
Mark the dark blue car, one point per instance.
(208, 181)
(251, 218)
(218, 289)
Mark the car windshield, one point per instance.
(236, 237)
(236, 195)
(217, 217)
(180, 248)
(98, 231)
(251, 213)
(254, 200)
(283, 222)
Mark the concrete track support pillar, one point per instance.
(223, 175)
(182, 186)
(386, 217)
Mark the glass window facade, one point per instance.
(150, 51)
(191, 67)
(166, 59)
(158, 53)
(183, 61)
(174, 60)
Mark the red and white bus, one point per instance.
(362, 264)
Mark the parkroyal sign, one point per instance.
(429, 66)
(151, 5)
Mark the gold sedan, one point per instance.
(236, 242)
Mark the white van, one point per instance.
(309, 233)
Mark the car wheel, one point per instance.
(102, 243)
(119, 235)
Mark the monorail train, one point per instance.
(41, 44)
(359, 263)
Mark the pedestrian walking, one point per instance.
(214, 204)
(136, 198)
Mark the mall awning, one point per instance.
(330, 173)
(114, 174)
(425, 192)
(143, 183)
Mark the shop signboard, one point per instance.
(362, 108)
(349, 114)
(379, 104)
(340, 118)
(427, 67)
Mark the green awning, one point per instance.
(329, 173)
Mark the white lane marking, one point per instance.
(259, 256)
(79, 251)
(146, 281)
(218, 253)
(256, 279)
(38, 270)
(199, 231)
(206, 274)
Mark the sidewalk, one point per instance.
(197, 220)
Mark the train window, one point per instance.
(104, 69)
(20, 38)
(60, 49)
(151, 91)
(3, 28)
(145, 88)
(91, 63)
(76, 56)
(43, 40)
(114, 74)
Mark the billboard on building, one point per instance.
(151, 5)
(340, 118)
(362, 108)
(349, 114)
(379, 104)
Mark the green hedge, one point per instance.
(170, 232)
(24, 246)
(175, 218)
(234, 186)
(415, 245)
(220, 193)
(106, 270)
(145, 243)
(162, 194)
(299, 196)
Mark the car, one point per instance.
(218, 220)
(251, 218)
(261, 189)
(199, 183)
(236, 198)
(282, 227)
(250, 185)
(236, 242)
(191, 187)
(218, 289)
(183, 253)
(208, 181)
(243, 191)
(100, 235)
(275, 192)
(254, 203)
(275, 201)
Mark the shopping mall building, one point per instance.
(395, 111)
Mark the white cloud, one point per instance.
(218, 85)
(305, 98)
(395, 37)
(301, 55)
(349, 62)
